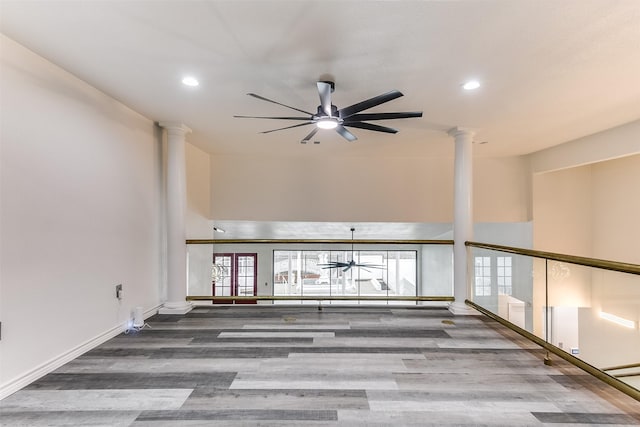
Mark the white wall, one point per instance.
(616, 236)
(338, 189)
(562, 220)
(562, 211)
(616, 209)
(592, 210)
(589, 211)
(610, 144)
(332, 189)
(435, 266)
(80, 191)
(584, 195)
(501, 189)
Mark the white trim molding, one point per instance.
(22, 381)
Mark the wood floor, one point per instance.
(293, 366)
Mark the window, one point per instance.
(503, 274)
(238, 278)
(483, 276)
(305, 273)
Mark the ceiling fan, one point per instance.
(346, 266)
(328, 116)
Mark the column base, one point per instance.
(462, 309)
(176, 307)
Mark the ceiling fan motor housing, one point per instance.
(321, 113)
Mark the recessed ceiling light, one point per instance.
(190, 81)
(471, 85)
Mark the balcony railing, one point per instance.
(290, 271)
(584, 310)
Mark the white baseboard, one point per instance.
(22, 381)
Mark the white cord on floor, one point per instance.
(137, 328)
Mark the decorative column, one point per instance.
(176, 202)
(462, 217)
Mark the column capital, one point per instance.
(459, 131)
(175, 127)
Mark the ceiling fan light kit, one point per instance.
(328, 116)
(327, 123)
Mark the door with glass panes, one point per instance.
(239, 278)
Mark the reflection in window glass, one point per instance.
(382, 273)
(503, 274)
(482, 276)
(222, 286)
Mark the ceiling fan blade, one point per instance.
(278, 103)
(347, 269)
(324, 90)
(371, 126)
(288, 127)
(308, 137)
(277, 118)
(369, 266)
(345, 133)
(369, 103)
(384, 116)
(335, 264)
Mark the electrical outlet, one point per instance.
(119, 291)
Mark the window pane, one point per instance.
(482, 276)
(382, 272)
(504, 275)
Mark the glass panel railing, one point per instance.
(407, 272)
(587, 311)
(502, 284)
(609, 330)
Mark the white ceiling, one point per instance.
(551, 71)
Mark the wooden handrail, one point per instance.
(630, 374)
(598, 373)
(588, 262)
(621, 367)
(617, 368)
(319, 298)
(318, 241)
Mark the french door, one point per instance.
(239, 277)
